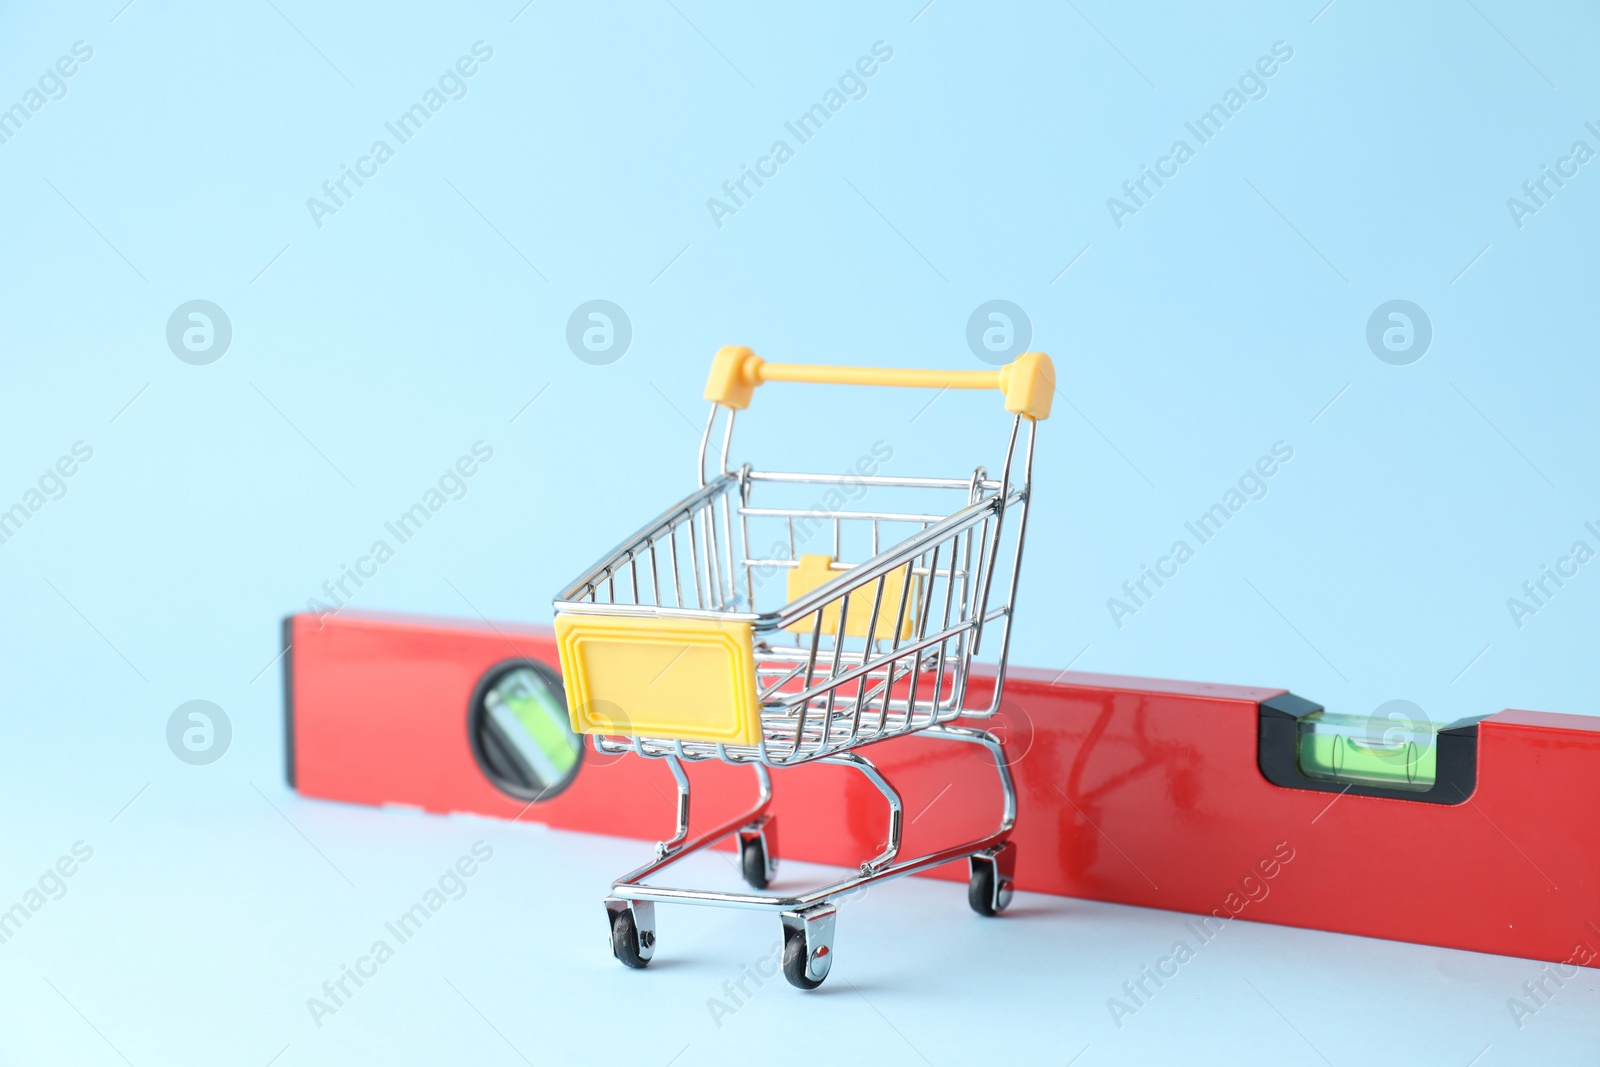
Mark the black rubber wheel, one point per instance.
(794, 961)
(625, 940)
(980, 889)
(753, 859)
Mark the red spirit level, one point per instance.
(1177, 795)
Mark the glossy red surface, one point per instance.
(1130, 790)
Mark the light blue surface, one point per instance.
(1227, 314)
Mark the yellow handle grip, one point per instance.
(1028, 382)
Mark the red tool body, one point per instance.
(1131, 790)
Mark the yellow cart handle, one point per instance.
(1028, 382)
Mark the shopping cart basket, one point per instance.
(669, 648)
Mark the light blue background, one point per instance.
(1226, 315)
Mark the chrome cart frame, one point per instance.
(827, 685)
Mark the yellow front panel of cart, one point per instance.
(674, 678)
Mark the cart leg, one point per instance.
(758, 838)
(808, 944)
(1008, 790)
(891, 847)
(989, 886)
(633, 930)
(755, 823)
(666, 848)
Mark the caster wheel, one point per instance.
(758, 852)
(980, 890)
(808, 944)
(630, 944)
(753, 860)
(625, 940)
(796, 961)
(989, 885)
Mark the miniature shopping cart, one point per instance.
(773, 619)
